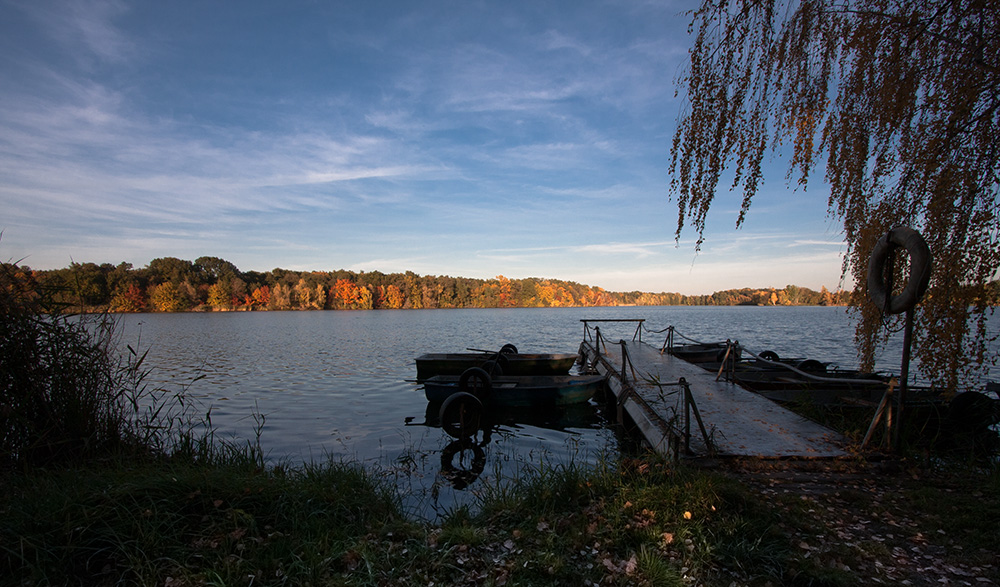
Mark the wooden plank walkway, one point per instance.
(738, 422)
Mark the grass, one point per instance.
(227, 521)
(218, 523)
(232, 522)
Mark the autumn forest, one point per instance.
(170, 284)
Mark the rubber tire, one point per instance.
(508, 349)
(493, 368)
(478, 382)
(811, 366)
(460, 414)
(920, 270)
(501, 360)
(770, 356)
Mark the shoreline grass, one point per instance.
(226, 520)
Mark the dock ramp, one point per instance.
(681, 409)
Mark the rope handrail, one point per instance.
(635, 336)
(672, 332)
(651, 331)
(671, 329)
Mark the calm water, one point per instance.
(339, 384)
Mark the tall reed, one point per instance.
(66, 392)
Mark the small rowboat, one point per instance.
(518, 391)
(510, 361)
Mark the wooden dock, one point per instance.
(681, 409)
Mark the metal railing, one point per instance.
(677, 430)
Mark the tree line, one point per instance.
(169, 284)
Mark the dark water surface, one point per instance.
(339, 384)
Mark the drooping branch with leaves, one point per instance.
(898, 104)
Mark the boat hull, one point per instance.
(521, 364)
(528, 391)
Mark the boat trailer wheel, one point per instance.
(500, 359)
(461, 414)
(492, 367)
(508, 349)
(477, 382)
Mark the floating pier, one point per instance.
(682, 410)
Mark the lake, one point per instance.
(339, 384)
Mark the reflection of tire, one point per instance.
(920, 270)
(508, 349)
(477, 382)
(461, 477)
(461, 414)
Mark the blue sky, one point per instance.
(474, 139)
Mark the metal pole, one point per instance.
(904, 375)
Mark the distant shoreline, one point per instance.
(212, 284)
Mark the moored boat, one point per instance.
(809, 380)
(511, 363)
(518, 391)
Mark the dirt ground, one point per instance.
(889, 521)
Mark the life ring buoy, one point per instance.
(460, 414)
(920, 270)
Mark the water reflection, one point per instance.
(464, 459)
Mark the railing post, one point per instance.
(669, 342)
(686, 393)
(624, 359)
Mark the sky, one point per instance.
(466, 138)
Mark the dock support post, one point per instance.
(691, 406)
(904, 375)
(686, 399)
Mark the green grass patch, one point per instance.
(201, 523)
